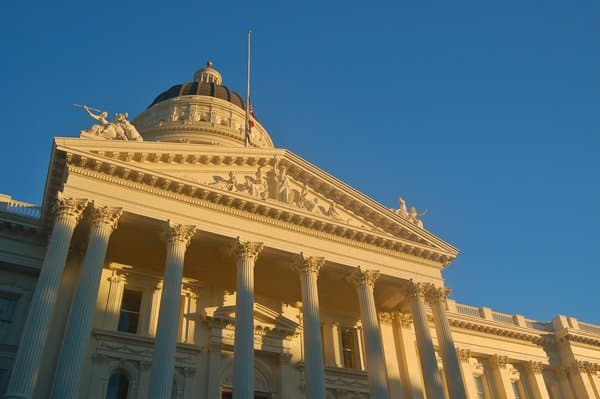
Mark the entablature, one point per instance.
(365, 223)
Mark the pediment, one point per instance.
(264, 318)
(273, 183)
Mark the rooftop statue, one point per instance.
(411, 215)
(118, 129)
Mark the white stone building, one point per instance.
(190, 265)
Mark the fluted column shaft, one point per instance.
(314, 370)
(83, 306)
(243, 347)
(536, 380)
(29, 354)
(437, 298)
(378, 384)
(431, 374)
(165, 345)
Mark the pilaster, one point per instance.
(536, 380)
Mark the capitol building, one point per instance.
(184, 256)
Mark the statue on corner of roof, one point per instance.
(117, 129)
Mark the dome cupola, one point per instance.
(203, 112)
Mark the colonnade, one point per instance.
(104, 221)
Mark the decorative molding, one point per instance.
(67, 207)
(247, 249)
(500, 361)
(418, 290)
(179, 234)
(106, 216)
(309, 264)
(364, 278)
(386, 318)
(405, 319)
(463, 354)
(402, 241)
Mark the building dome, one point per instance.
(203, 111)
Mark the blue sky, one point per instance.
(484, 113)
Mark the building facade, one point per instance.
(178, 257)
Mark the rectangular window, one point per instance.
(479, 387)
(8, 304)
(350, 348)
(129, 315)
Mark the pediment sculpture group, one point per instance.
(117, 129)
(409, 214)
(275, 184)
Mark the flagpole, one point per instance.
(247, 131)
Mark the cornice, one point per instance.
(298, 168)
(499, 329)
(116, 170)
(583, 337)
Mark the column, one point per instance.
(431, 374)
(501, 375)
(437, 298)
(243, 347)
(580, 379)
(29, 354)
(314, 371)
(408, 358)
(467, 372)
(165, 345)
(536, 380)
(390, 351)
(365, 282)
(73, 350)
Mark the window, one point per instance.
(118, 386)
(479, 388)
(350, 354)
(8, 303)
(129, 315)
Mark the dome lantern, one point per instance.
(208, 74)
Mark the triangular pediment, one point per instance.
(271, 182)
(264, 317)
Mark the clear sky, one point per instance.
(485, 113)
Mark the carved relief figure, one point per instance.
(283, 185)
(332, 211)
(258, 188)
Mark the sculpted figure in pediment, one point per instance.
(107, 130)
(403, 210)
(258, 186)
(283, 185)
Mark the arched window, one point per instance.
(118, 386)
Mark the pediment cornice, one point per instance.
(134, 165)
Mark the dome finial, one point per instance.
(208, 74)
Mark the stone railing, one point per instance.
(556, 324)
(9, 205)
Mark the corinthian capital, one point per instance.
(180, 234)
(247, 249)
(309, 264)
(535, 367)
(106, 216)
(67, 207)
(418, 290)
(364, 277)
(437, 294)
